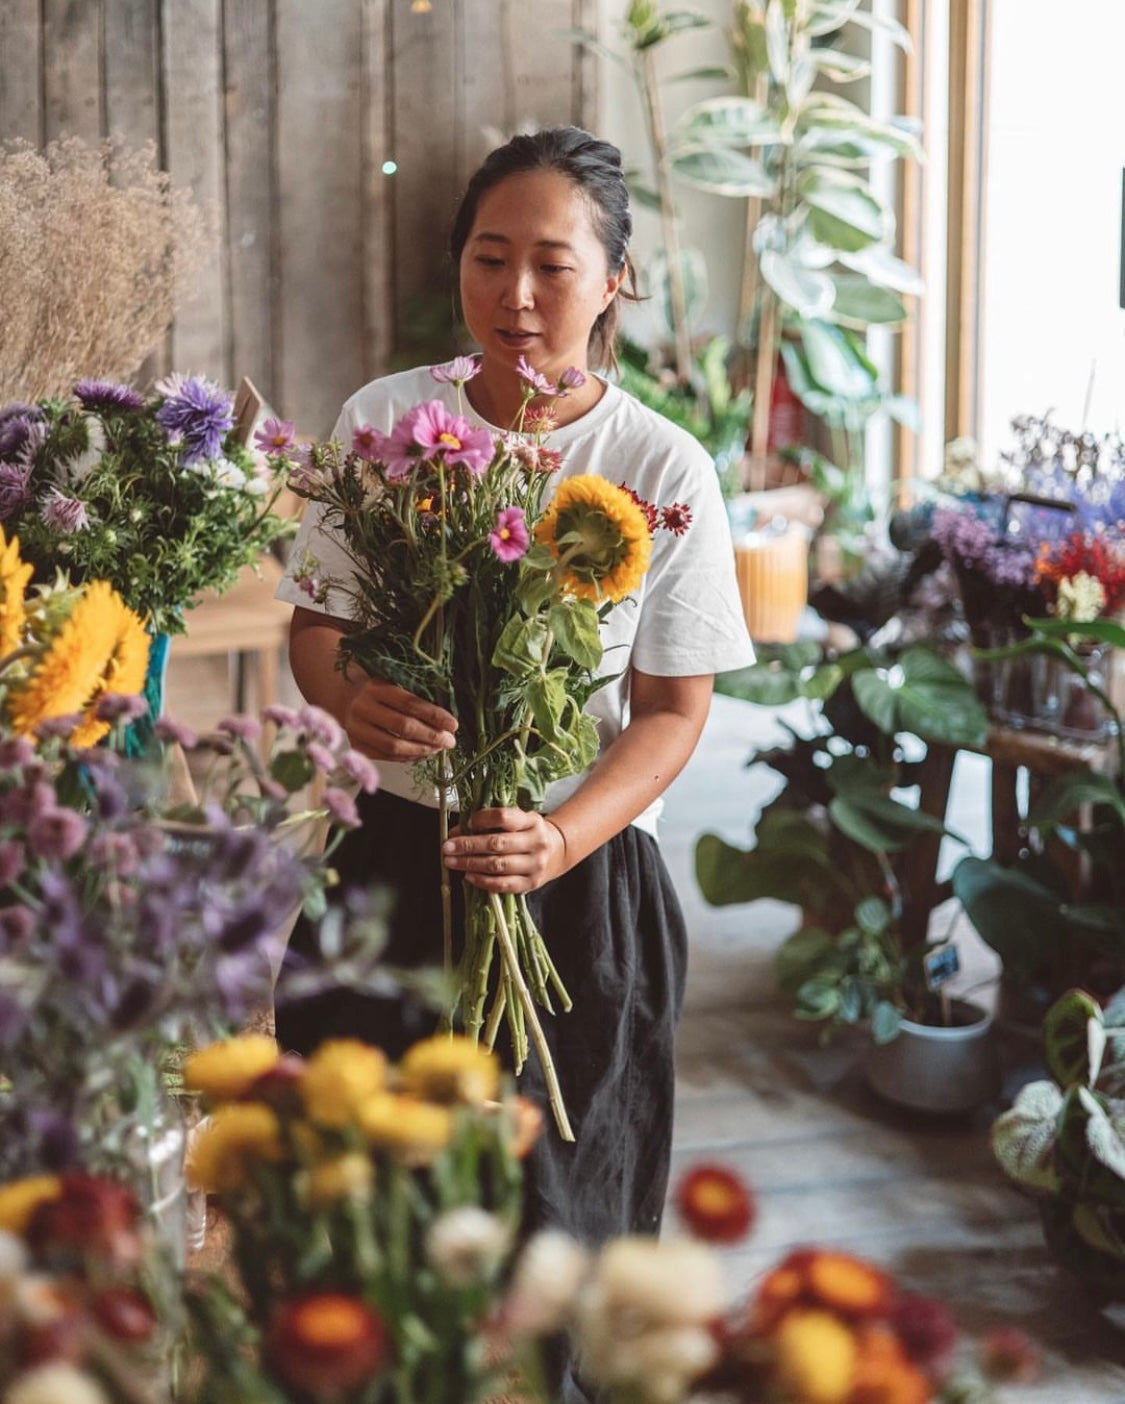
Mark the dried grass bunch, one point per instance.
(97, 249)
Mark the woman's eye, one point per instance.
(556, 268)
(486, 262)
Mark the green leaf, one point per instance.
(576, 631)
(791, 863)
(521, 647)
(800, 955)
(880, 266)
(888, 25)
(808, 292)
(859, 301)
(879, 823)
(830, 15)
(546, 694)
(777, 41)
(1097, 630)
(886, 1020)
(765, 687)
(1074, 1039)
(877, 699)
(693, 280)
(843, 212)
(832, 360)
(873, 916)
(1066, 794)
(1023, 1138)
(727, 121)
(645, 196)
(707, 73)
(841, 66)
(817, 999)
(293, 770)
(1020, 918)
(721, 170)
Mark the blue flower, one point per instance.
(197, 415)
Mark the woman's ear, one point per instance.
(613, 285)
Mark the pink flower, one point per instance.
(341, 808)
(175, 732)
(241, 728)
(275, 435)
(56, 833)
(457, 371)
(368, 443)
(439, 434)
(571, 379)
(509, 539)
(539, 383)
(321, 757)
(359, 768)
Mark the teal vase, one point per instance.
(139, 734)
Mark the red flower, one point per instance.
(1010, 1354)
(1090, 554)
(676, 518)
(715, 1204)
(90, 1215)
(124, 1313)
(926, 1328)
(327, 1343)
(651, 516)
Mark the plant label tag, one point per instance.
(940, 965)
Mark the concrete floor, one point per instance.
(830, 1164)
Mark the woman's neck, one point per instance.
(497, 394)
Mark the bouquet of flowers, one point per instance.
(472, 590)
(86, 1302)
(154, 495)
(372, 1212)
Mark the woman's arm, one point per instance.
(522, 850)
(383, 721)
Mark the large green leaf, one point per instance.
(800, 955)
(1100, 630)
(842, 202)
(1074, 1039)
(862, 303)
(765, 687)
(1020, 918)
(720, 170)
(808, 292)
(521, 647)
(923, 694)
(879, 823)
(728, 121)
(791, 863)
(879, 265)
(833, 362)
(1023, 1138)
(577, 632)
(1066, 793)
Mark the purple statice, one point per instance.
(114, 707)
(242, 728)
(176, 733)
(197, 415)
(972, 544)
(56, 834)
(64, 514)
(22, 429)
(15, 489)
(107, 397)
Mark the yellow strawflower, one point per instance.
(347, 1176)
(815, 1358)
(451, 1068)
(341, 1076)
(20, 1199)
(225, 1071)
(610, 554)
(412, 1131)
(229, 1143)
(14, 578)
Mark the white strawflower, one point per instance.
(77, 469)
(548, 1275)
(467, 1245)
(1081, 598)
(55, 1383)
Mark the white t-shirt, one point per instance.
(685, 619)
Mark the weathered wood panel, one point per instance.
(378, 187)
(21, 57)
(131, 62)
(194, 156)
(72, 86)
(320, 208)
(249, 74)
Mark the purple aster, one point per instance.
(359, 768)
(12, 861)
(341, 808)
(15, 490)
(176, 733)
(275, 436)
(116, 707)
(530, 376)
(321, 726)
(198, 416)
(242, 728)
(21, 430)
(457, 371)
(64, 514)
(107, 397)
(281, 716)
(56, 834)
(15, 751)
(509, 539)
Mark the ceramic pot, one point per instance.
(935, 1069)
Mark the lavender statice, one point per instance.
(197, 415)
(108, 397)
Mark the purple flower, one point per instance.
(176, 733)
(509, 539)
(58, 726)
(15, 489)
(341, 808)
(539, 383)
(56, 833)
(64, 514)
(457, 371)
(107, 397)
(242, 728)
(275, 436)
(280, 716)
(367, 443)
(21, 431)
(356, 766)
(12, 861)
(15, 751)
(116, 707)
(19, 806)
(429, 431)
(116, 852)
(198, 415)
(571, 379)
(321, 757)
(321, 726)
(16, 925)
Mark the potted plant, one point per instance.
(841, 842)
(1064, 1139)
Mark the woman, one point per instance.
(540, 243)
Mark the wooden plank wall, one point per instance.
(282, 116)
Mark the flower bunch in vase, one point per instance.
(479, 584)
(372, 1210)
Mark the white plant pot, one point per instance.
(934, 1069)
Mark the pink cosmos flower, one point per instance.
(457, 371)
(275, 435)
(436, 433)
(571, 379)
(539, 383)
(368, 443)
(509, 539)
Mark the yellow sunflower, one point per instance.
(101, 646)
(599, 534)
(14, 577)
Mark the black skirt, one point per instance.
(615, 931)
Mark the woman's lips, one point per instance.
(517, 339)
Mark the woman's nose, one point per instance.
(517, 291)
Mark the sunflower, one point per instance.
(14, 576)
(100, 647)
(599, 534)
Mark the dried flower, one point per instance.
(327, 1343)
(225, 1071)
(340, 1078)
(545, 1284)
(715, 1204)
(451, 1069)
(467, 1245)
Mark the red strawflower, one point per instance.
(91, 1215)
(715, 1204)
(124, 1313)
(926, 1328)
(676, 518)
(327, 1343)
(650, 513)
(1010, 1354)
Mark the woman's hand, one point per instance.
(507, 850)
(388, 723)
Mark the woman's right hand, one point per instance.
(388, 723)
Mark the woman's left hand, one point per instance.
(506, 850)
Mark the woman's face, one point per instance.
(533, 273)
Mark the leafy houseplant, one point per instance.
(838, 841)
(1064, 1139)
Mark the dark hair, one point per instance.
(595, 168)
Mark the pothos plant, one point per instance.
(841, 837)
